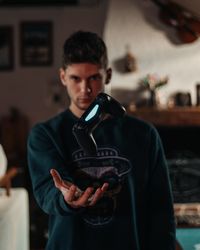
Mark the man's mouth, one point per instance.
(85, 99)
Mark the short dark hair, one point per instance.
(84, 46)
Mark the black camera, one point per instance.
(102, 105)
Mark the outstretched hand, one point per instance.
(75, 197)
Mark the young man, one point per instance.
(125, 200)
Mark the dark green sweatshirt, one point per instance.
(137, 210)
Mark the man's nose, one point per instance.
(85, 87)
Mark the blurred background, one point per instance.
(154, 51)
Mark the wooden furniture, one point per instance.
(179, 116)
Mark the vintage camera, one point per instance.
(102, 105)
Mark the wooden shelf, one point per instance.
(179, 116)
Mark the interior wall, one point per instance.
(156, 47)
(27, 88)
(129, 22)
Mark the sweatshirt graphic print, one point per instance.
(108, 167)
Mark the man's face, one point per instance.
(83, 82)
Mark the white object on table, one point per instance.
(14, 220)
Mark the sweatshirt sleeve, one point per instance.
(43, 155)
(161, 223)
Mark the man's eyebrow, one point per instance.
(92, 75)
(73, 76)
(96, 74)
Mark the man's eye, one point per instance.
(95, 78)
(75, 78)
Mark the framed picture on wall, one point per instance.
(36, 48)
(6, 48)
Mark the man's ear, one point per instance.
(108, 75)
(62, 76)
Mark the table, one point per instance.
(14, 220)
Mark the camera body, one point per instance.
(102, 105)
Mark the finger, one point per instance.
(66, 184)
(105, 187)
(83, 199)
(64, 190)
(58, 180)
(98, 194)
(70, 194)
(56, 177)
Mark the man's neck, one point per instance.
(76, 111)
